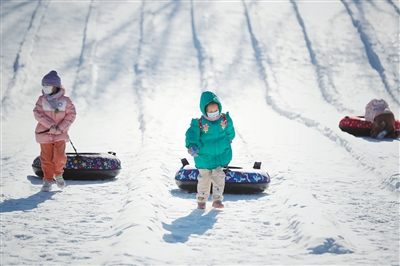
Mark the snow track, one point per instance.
(85, 83)
(22, 61)
(325, 83)
(135, 71)
(364, 27)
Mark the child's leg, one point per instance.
(46, 157)
(60, 158)
(218, 180)
(203, 185)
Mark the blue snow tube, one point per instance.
(237, 179)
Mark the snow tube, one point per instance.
(358, 126)
(237, 180)
(86, 166)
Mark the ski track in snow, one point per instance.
(84, 83)
(137, 68)
(394, 6)
(362, 26)
(23, 58)
(136, 76)
(324, 80)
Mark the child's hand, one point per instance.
(193, 151)
(54, 130)
(58, 131)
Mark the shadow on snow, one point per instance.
(37, 180)
(26, 204)
(196, 223)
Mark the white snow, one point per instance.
(287, 71)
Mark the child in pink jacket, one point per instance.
(55, 113)
(383, 121)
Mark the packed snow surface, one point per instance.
(287, 71)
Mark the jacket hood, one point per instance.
(206, 98)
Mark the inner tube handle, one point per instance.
(184, 162)
(77, 154)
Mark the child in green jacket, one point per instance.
(209, 139)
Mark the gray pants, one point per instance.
(206, 177)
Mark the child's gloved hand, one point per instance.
(58, 131)
(193, 151)
(381, 135)
(54, 130)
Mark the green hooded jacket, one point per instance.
(214, 138)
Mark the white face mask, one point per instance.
(47, 89)
(213, 115)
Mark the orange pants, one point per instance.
(53, 159)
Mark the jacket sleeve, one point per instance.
(40, 116)
(230, 129)
(193, 134)
(70, 115)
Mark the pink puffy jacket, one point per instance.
(376, 107)
(47, 117)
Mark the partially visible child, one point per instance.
(382, 119)
(55, 113)
(209, 139)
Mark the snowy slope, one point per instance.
(287, 71)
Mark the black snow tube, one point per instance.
(86, 166)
